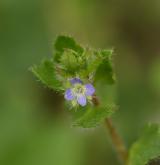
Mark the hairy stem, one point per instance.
(117, 141)
(116, 138)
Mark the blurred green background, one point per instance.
(35, 130)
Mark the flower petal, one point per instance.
(89, 89)
(81, 100)
(69, 95)
(75, 81)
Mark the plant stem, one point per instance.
(116, 139)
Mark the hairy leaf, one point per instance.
(69, 62)
(147, 147)
(105, 72)
(89, 117)
(66, 42)
(106, 53)
(46, 74)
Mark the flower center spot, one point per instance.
(79, 89)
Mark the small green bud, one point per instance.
(69, 61)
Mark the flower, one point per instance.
(79, 93)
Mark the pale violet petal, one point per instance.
(75, 81)
(82, 100)
(89, 89)
(69, 94)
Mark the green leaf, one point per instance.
(66, 42)
(93, 61)
(106, 53)
(89, 117)
(147, 147)
(107, 94)
(69, 62)
(105, 72)
(46, 74)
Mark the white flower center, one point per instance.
(79, 89)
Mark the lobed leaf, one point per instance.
(46, 74)
(106, 53)
(147, 147)
(89, 117)
(105, 72)
(66, 42)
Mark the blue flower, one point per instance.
(79, 93)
